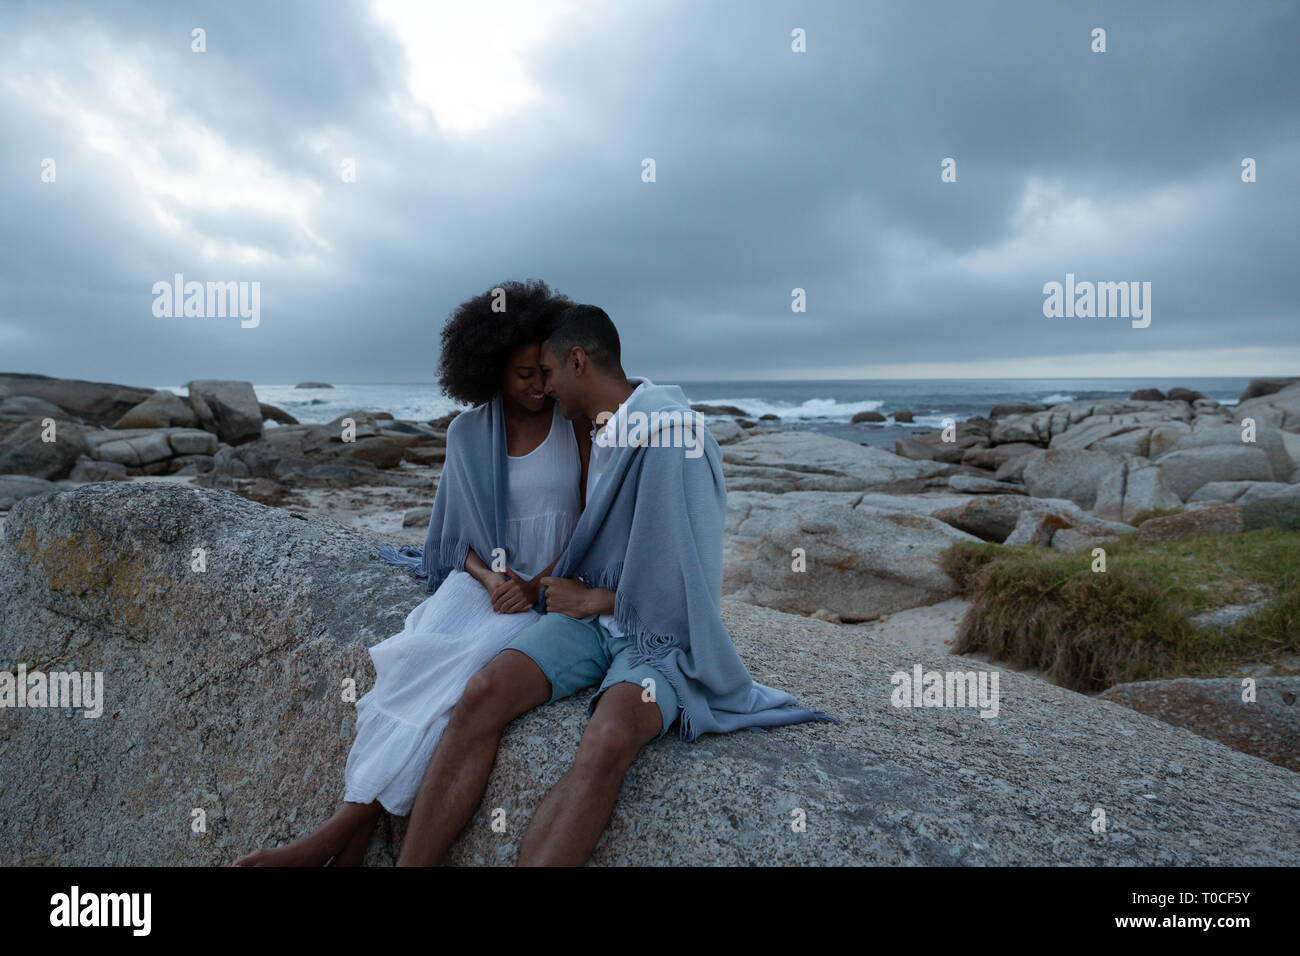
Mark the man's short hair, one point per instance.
(589, 328)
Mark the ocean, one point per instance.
(822, 406)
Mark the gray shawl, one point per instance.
(653, 534)
(469, 507)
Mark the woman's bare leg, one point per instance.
(329, 839)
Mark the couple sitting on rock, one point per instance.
(560, 559)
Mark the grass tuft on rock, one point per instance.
(1037, 608)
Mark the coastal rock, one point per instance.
(1039, 428)
(14, 488)
(424, 455)
(1280, 408)
(861, 417)
(88, 469)
(277, 415)
(1085, 538)
(1188, 469)
(1266, 508)
(1133, 486)
(997, 455)
(313, 385)
(975, 485)
(1184, 395)
(1013, 469)
(930, 448)
(416, 518)
(995, 517)
(808, 461)
(1259, 387)
(91, 403)
(1072, 473)
(1269, 440)
(1147, 395)
(859, 562)
(1119, 438)
(1267, 727)
(17, 409)
(1036, 529)
(1217, 519)
(228, 409)
(162, 409)
(904, 415)
(142, 446)
(25, 452)
(191, 464)
(725, 432)
(1232, 490)
(224, 692)
(1014, 408)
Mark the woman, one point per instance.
(508, 498)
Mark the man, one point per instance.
(633, 606)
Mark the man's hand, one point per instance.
(571, 597)
(509, 594)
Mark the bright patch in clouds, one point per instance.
(467, 60)
(124, 114)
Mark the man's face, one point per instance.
(560, 381)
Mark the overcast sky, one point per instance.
(497, 140)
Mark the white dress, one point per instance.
(421, 672)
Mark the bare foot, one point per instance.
(332, 838)
(293, 854)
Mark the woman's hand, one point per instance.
(508, 593)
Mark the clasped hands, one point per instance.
(511, 594)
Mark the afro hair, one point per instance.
(477, 342)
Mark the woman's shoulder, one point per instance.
(478, 415)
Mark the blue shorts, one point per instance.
(575, 653)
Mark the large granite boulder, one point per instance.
(994, 517)
(1268, 439)
(1135, 485)
(1073, 473)
(24, 451)
(223, 694)
(162, 409)
(229, 410)
(859, 561)
(808, 461)
(1216, 519)
(1258, 387)
(1187, 469)
(1039, 428)
(92, 403)
(1280, 408)
(1267, 726)
(14, 488)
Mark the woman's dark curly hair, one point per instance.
(477, 342)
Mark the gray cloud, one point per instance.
(774, 171)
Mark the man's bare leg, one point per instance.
(567, 826)
(511, 684)
(327, 840)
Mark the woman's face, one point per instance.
(523, 381)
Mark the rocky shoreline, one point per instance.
(870, 524)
